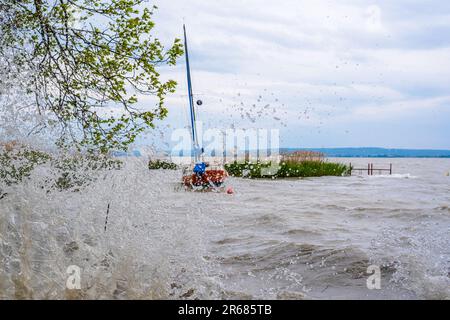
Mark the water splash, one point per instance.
(152, 246)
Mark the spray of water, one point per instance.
(150, 247)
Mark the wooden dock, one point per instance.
(370, 169)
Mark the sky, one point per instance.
(325, 73)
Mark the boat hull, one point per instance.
(210, 180)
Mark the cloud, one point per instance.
(320, 64)
(402, 108)
(373, 19)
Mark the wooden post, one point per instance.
(368, 169)
(390, 169)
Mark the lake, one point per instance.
(309, 238)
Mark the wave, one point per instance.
(395, 176)
(421, 259)
(149, 248)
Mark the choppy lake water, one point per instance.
(298, 238)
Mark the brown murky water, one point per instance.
(297, 238)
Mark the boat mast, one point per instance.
(191, 100)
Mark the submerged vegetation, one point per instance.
(299, 164)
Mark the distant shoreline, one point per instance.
(390, 157)
(374, 152)
(362, 152)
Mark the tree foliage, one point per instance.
(87, 57)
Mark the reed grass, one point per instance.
(302, 156)
(299, 164)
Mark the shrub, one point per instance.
(70, 170)
(18, 163)
(160, 164)
(288, 169)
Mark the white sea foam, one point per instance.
(394, 176)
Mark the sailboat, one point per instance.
(200, 176)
